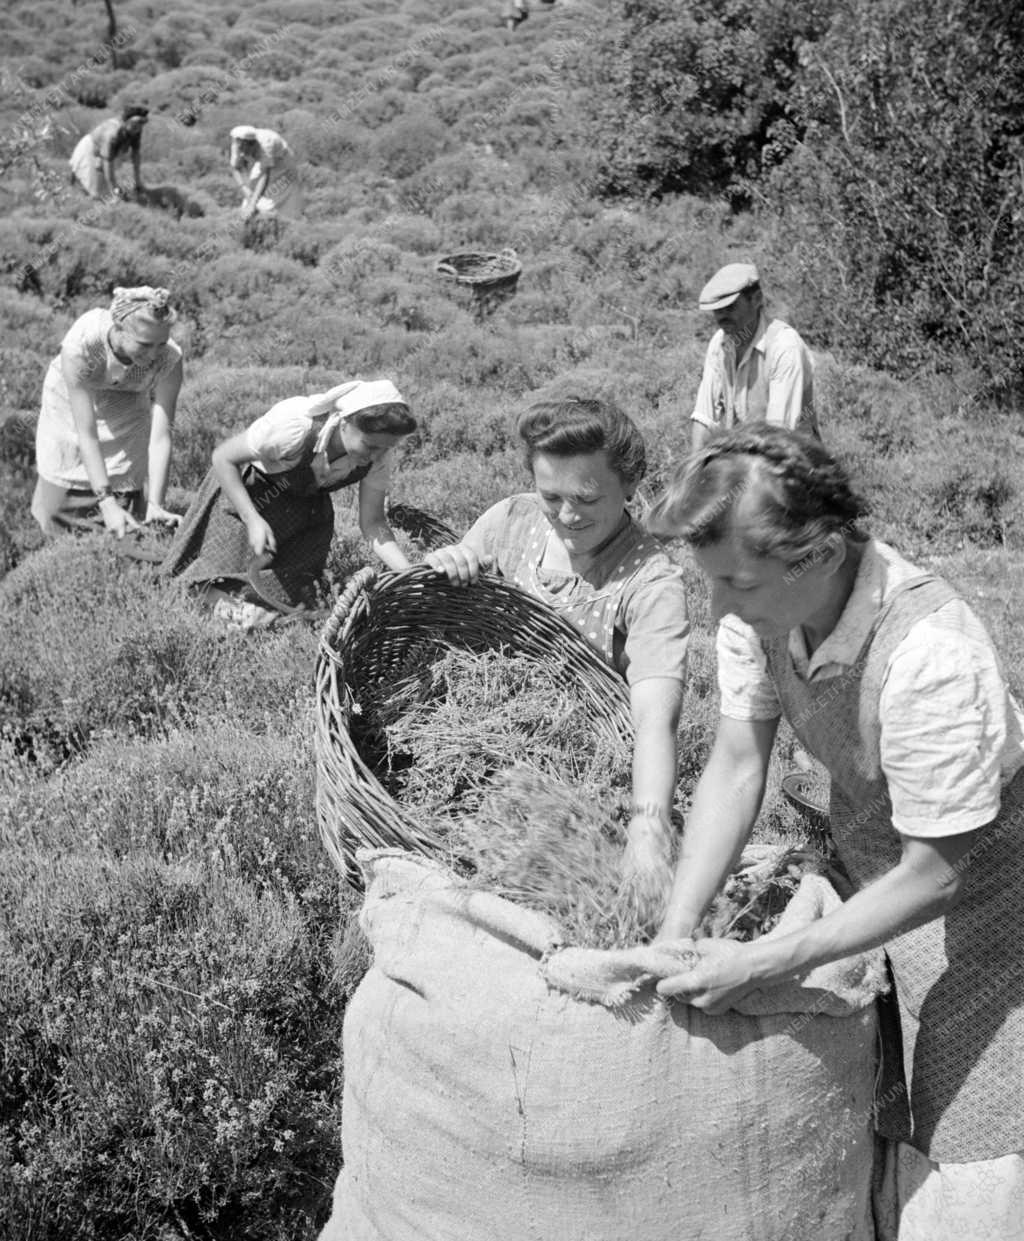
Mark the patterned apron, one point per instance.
(959, 978)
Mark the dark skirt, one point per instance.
(212, 544)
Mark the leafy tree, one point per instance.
(693, 98)
(904, 200)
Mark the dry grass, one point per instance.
(505, 771)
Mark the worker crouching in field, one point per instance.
(268, 496)
(94, 160)
(109, 398)
(267, 173)
(572, 543)
(889, 680)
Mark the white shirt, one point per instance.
(278, 439)
(773, 380)
(951, 734)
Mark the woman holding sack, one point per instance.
(267, 173)
(573, 544)
(104, 430)
(268, 496)
(889, 680)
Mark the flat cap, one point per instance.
(727, 284)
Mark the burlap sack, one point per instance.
(481, 1104)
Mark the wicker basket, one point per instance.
(426, 531)
(491, 277)
(384, 627)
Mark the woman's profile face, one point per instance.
(766, 593)
(365, 447)
(583, 498)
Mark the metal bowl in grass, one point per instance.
(806, 793)
(386, 627)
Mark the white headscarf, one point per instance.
(350, 398)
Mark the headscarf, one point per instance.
(244, 133)
(350, 398)
(148, 304)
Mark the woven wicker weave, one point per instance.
(425, 530)
(386, 626)
(482, 271)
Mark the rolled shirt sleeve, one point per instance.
(485, 534)
(746, 686)
(709, 407)
(276, 439)
(657, 628)
(950, 732)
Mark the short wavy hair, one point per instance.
(780, 491)
(574, 425)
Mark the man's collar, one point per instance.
(759, 340)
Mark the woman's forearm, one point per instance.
(385, 545)
(725, 805)
(159, 467)
(232, 485)
(922, 886)
(92, 459)
(83, 414)
(655, 707)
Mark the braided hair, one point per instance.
(780, 491)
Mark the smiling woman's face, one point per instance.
(582, 497)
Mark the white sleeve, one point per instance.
(944, 719)
(706, 409)
(746, 686)
(281, 433)
(788, 378)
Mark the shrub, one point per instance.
(136, 660)
(174, 1055)
(691, 100)
(899, 205)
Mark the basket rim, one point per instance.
(510, 266)
(353, 808)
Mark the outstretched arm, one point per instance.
(165, 402)
(83, 413)
(725, 805)
(255, 193)
(375, 529)
(228, 458)
(655, 704)
(923, 885)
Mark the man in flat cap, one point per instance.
(755, 368)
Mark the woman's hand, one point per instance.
(261, 537)
(156, 512)
(721, 975)
(459, 563)
(116, 519)
(647, 867)
(248, 208)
